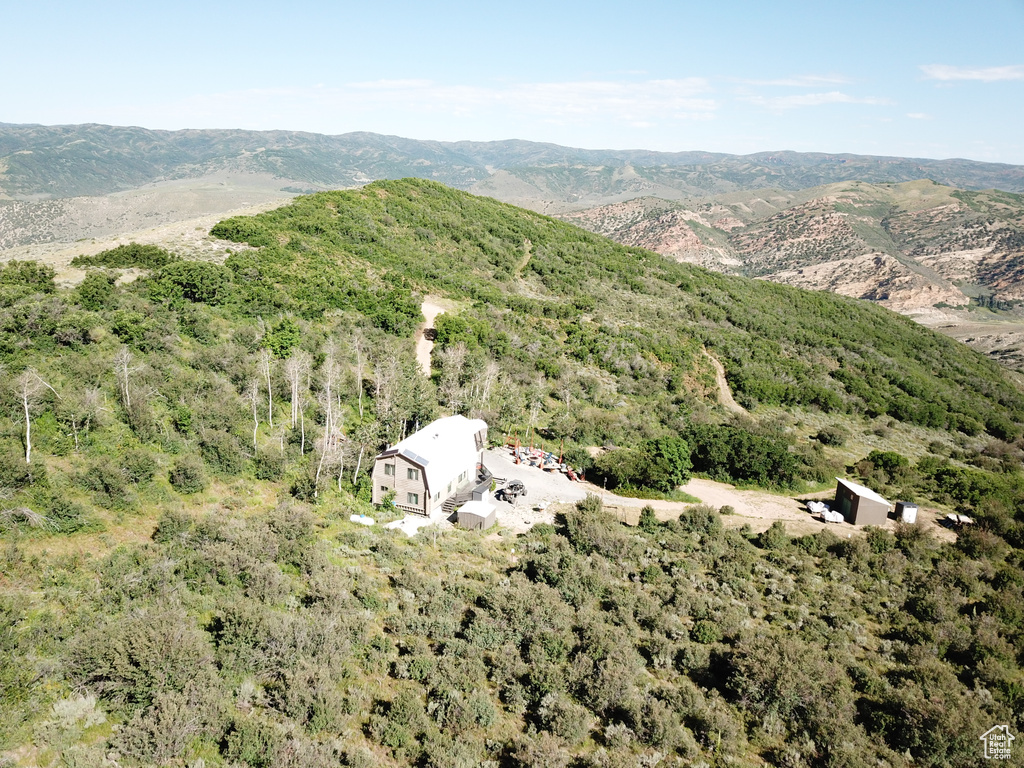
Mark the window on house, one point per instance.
(389, 469)
(412, 474)
(384, 488)
(413, 498)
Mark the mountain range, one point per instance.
(920, 236)
(65, 161)
(185, 450)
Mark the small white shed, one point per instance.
(476, 515)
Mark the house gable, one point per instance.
(432, 463)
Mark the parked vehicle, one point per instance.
(511, 491)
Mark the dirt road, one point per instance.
(724, 393)
(424, 346)
(758, 509)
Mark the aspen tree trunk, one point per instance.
(28, 429)
(359, 463)
(253, 398)
(265, 361)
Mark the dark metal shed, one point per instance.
(859, 504)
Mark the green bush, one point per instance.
(303, 488)
(138, 466)
(775, 537)
(69, 517)
(19, 279)
(834, 436)
(15, 473)
(124, 256)
(96, 291)
(731, 453)
(564, 718)
(187, 475)
(110, 488)
(700, 518)
(133, 659)
(171, 526)
(706, 632)
(191, 281)
(269, 466)
(222, 451)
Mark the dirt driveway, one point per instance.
(425, 346)
(758, 509)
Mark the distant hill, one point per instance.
(908, 245)
(65, 161)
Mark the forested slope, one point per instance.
(583, 300)
(179, 456)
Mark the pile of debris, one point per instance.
(822, 510)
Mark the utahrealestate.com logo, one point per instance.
(997, 742)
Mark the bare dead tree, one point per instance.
(453, 363)
(490, 377)
(29, 386)
(80, 408)
(252, 394)
(387, 380)
(483, 384)
(122, 370)
(296, 370)
(357, 342)
(265, 360)
(365, 435)
(329, 375)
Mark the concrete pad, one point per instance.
(410, 525)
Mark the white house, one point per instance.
(430, 466)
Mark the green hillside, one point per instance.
(595, 308)
(180, 583)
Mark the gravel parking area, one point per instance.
(543, 489)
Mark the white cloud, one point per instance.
(615, 99)
(946, 72)
(801, 81)
(628, 103)
(919, 116)
(782, 103)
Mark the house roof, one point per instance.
(863, 491)
(444, 448)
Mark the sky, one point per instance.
(916, 79)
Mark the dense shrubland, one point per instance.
(206, 430)
(583, 302)
(287, 637)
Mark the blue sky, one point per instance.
(937, 79)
